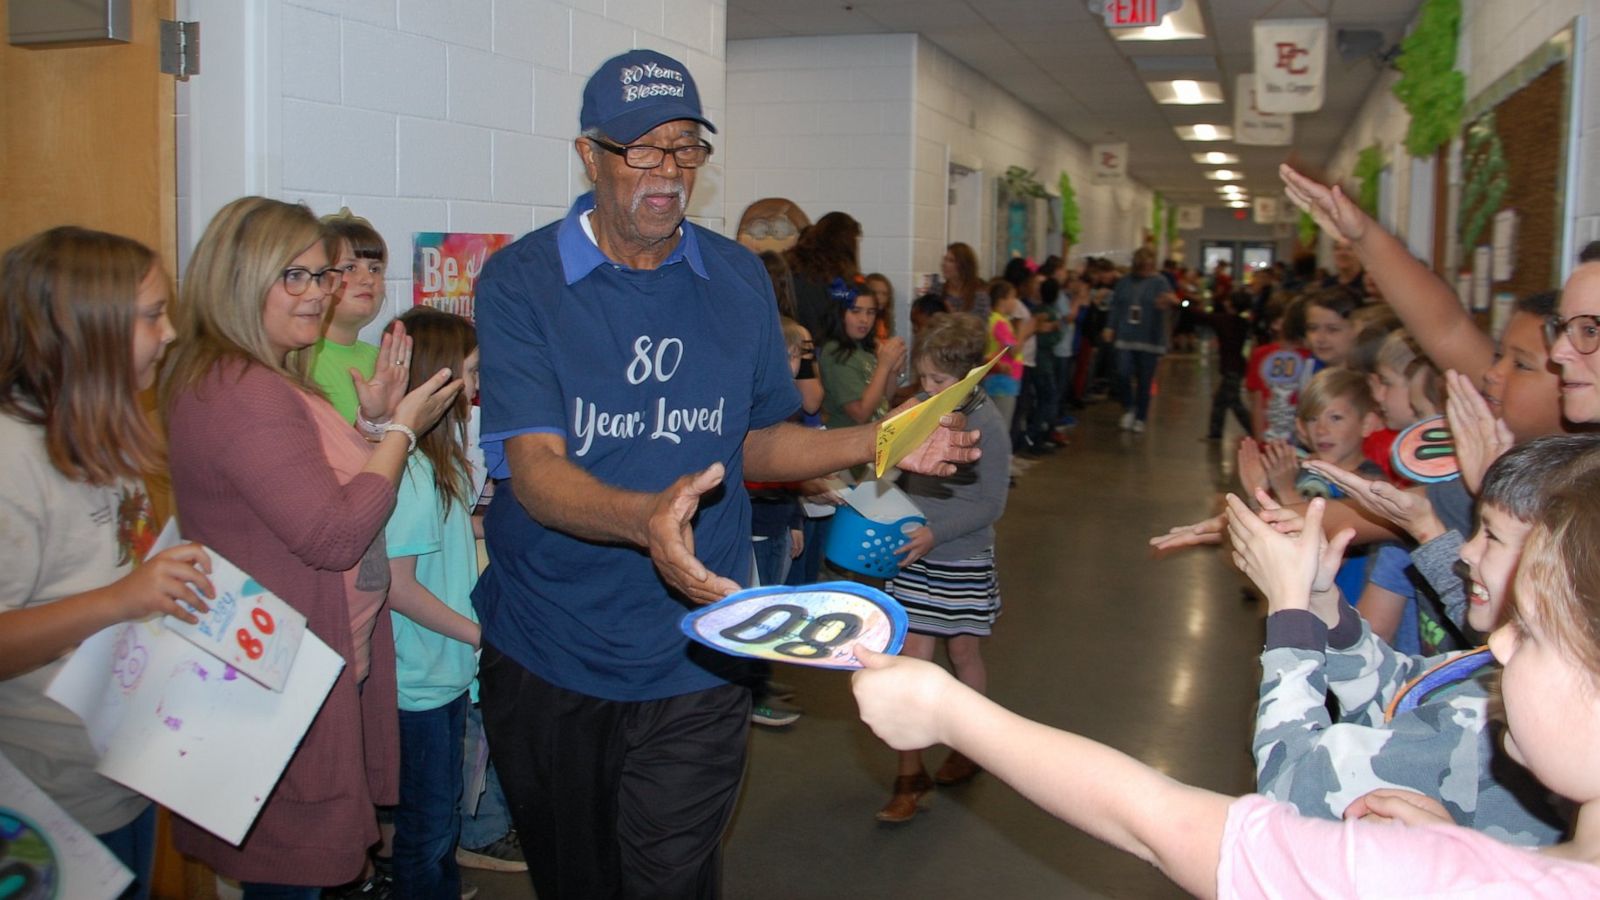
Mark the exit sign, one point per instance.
(1137, 13)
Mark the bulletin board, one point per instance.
(1515, 145)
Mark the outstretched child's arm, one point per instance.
(912, 704)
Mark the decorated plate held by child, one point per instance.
(1426, 452)
(813, 625)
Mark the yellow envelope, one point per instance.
(905, 431)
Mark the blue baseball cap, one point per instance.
(636, 91)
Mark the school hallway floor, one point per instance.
(1155, 657)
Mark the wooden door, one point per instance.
(88, 137)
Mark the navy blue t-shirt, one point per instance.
(648, 375)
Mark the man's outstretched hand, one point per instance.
(671, 538)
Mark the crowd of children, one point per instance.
(339, 474)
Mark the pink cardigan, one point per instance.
(250, 479)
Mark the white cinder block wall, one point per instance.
(989, 129)
(826, 123)
(422, 115)
(862, 123)
(1495, 37)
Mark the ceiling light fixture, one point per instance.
(1217, 158)
(1186, 92)
(1224, 175)
(1239, 204)
(1205, 132)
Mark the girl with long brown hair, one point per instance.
(827, 251)
(83, 323)
(433, 566)
(963, 287)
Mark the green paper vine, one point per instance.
(1172, 224)
(1430, 88)
(1307, 228)
(1070, 225)
(1019, 182)
(1369, 165)
(1485, 183)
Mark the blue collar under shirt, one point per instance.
(580, 255)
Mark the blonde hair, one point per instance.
(794, 334)
(1334, 384)
(240, 257)
(1558, 578)
(67, 306)
(952, 344)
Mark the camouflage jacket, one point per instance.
(1443, 747)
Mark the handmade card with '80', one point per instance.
(248, 627)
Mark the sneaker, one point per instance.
(1138, 426)
(774, 714)
(504, 855)
(1127, 421)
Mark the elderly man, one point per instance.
(634, 375)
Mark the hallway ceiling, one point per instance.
(1058, 58)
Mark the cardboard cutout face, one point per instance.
(771, 224)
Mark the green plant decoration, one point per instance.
(1430, 88)
(1070, 225)
(1019, 182)
(1484, 186)
(1155, 217)
(1369, 165)
(1307, 229)
(1172, 225)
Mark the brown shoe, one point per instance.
(957, 769)
(908, 790)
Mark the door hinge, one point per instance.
(180, 48)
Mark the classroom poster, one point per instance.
(445, 267)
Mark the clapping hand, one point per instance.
(381, 394)
(1409, 509)
(1287, 568)
(1479, 437)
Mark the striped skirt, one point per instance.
(949, 598)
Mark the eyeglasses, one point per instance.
(297, 278)
(644, 156)
(1582, 330)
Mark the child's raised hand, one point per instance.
(1282, 464)
(421, 408)
(917, 545)
(1392, 805)
(1410, 509)
(380, 395)
(1251, 466)
(901, 698)
(1332, 210)
(1205, 531)
(161, 581)
(1283, 567)
(1479, 437)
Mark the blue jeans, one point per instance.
(427, 820)
(772, 559)
(134, 845)
(492, 820)
(1136, 371)
(808, 567)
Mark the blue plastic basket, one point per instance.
(864, 546)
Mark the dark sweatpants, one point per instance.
(613, 798)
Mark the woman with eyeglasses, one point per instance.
(267, 473)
